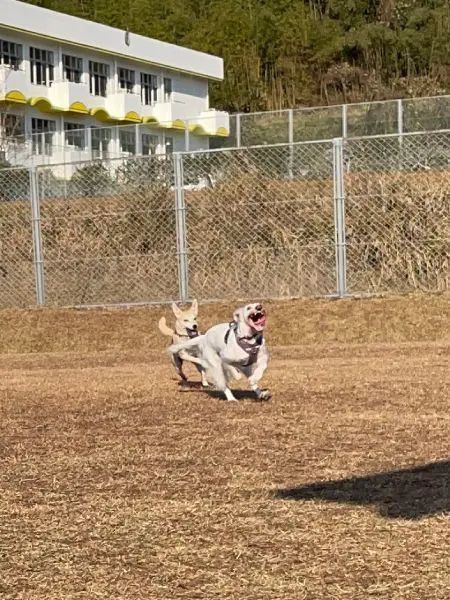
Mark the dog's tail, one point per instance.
(192, 343)
(163, 327)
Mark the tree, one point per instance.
(284, 53)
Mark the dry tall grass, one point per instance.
(249, 234)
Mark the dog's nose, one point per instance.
(259, 307)
(194, 327)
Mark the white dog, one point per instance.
(229, 349)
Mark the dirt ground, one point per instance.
(117, 485)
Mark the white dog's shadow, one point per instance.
(238, 394)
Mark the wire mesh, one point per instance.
(231, 223)
(17, 286)
(108, 232)
(260, 222)
(397, 211)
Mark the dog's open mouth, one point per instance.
(258, 320)
(192, 333)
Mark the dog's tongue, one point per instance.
(260, 321)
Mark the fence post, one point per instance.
(38, 258)
(186, 136)
(344, 120)
(400, 121)
(339, 217)
(291, 142)
(180, 223)
(238, 130)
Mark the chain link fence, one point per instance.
(397, 213)
(329, 218)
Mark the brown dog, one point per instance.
(185, 328)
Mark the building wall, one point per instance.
(190, 93)
(189, 105)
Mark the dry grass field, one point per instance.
(117, 485)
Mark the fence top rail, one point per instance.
(315, 142)
(323, 107)
(163, 158)
(257, 147)
(15, 168)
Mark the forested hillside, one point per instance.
(286, 53)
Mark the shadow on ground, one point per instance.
(195, 386)
(404, 494)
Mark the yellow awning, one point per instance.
(222, 132)
(177, 124)
(198, 130)
(14, 96)
(101, 114)
(79, 108)
(150, 121)
(131, 117)
(42, 104)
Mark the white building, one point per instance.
(71, 89)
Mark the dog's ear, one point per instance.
(194, 307)
(177, 311)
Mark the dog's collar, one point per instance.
(243, 343)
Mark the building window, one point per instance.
(149, 89)
(98, 78)
(149, 144)
(75, 135)
(72, 68)
(167, 89)
(126, 80)
(127, 140)
(42, 130)
(12, 126)
(169, 145)
(41, 63)
(10, 54)
(100, 138)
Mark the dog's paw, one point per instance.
(264, 395)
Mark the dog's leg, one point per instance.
(201, 370)
(215, 374)
(255, 377)
(231, 372)
(261, 394)
(178, 364)
(229, 395)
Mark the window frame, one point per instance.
(42, 132)
(10, 122)
(42, 66)
(149, 88)
(127, 79)
(98, 78)
(100, 140)
(151, 147)
(130, 144)
(14, 53)
(72, 131)
(75, 67)
(167, 89)
(168, 145)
